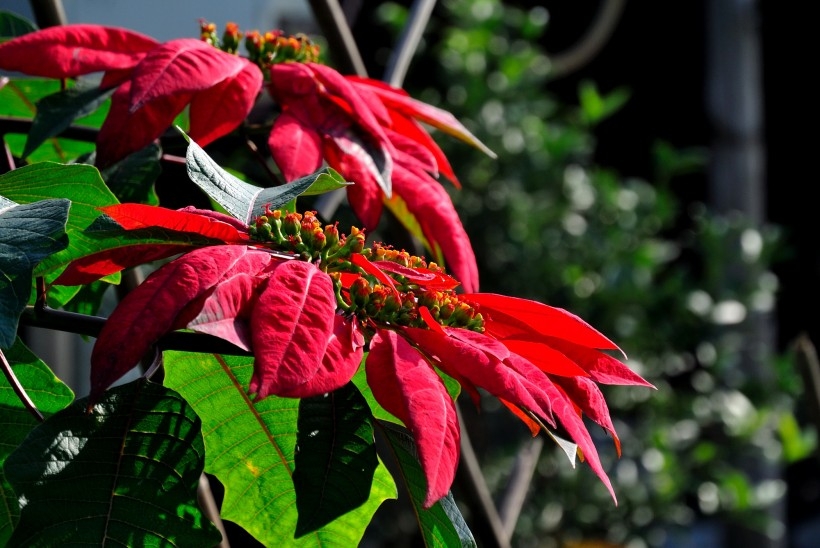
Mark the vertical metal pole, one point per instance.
(737, 183)
(48, 13)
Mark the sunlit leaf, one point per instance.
(441, 525)
(136, 458)
(244, 200)
(250, 449)
(49, 396)
(335, 457)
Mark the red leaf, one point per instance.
(547, 359)
(430, 321)
(338, 86)
(366, 194)
(564, 410)
(135, 216)
(398, 99)
(584, 393)
(293, 321)
(225, 313)
(341, 360)
(364, 263)
(481, 369)
(124, 132)
(511, 317)
(152, 308)
(93, 267)
(220, 109)
(413, 130)
(603, 368)
(68, 51)
(406, 386)
(360, 158)
(423, 277)
(181, 66)
(296, 147)
(434, 210)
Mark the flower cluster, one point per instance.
(307, 301)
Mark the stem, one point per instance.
(90, 326)
(18, 388)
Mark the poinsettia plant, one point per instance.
(303, 340)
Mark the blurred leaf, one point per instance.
(442, 525)
(250, 449)
(12, 25)
(28, 234)
(597, 107)
(136, 457)
(49, 395)
(797, 444)
(58, 111)
(335, 457)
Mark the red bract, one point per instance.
(214, 227)
(69, 51)
(370, 132)
(405, 385)
(163, 303)
(156, 81)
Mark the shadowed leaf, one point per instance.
(335, 457)
(442, 525)
(136, 458)
(28, 234)
(48, 394)
(56, 112)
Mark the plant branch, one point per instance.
(408, 42)
(18, 388)
(90, 326)
(340, 39)
(486, 524)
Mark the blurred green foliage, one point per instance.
(677, 286)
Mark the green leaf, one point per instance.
(81, 184)
(132, 179)
(244, 200)
(441, 525)
(335, 457)
(19, 96)
(58, 111)
(130, 469)
(28, 234)
(250, 449)
(49, 396)
(597, 107)
(12, 25)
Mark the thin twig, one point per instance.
(486, 522)
(340, 39)
(516, 493)
(90, 326)
(18, 388)
(588, 46)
